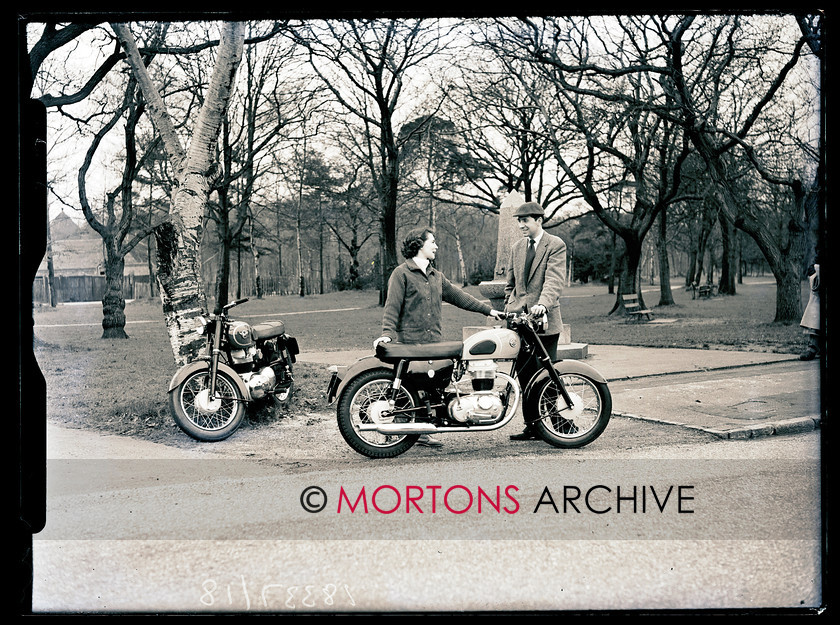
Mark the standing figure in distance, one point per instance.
(811, 317)
(416, 291)
(536, 274)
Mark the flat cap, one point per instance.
(529, 208)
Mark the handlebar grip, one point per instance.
(235, 303)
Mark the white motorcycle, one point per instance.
(387, 401)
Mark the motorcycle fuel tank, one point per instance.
(493, 343)
(240, 335)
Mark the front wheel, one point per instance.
(365, 400)
(561, 426)
(202, 417)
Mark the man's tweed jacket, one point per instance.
(547, 277)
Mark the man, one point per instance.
(536, 274)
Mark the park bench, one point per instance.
(707, 290)
(703, 290)
(633, 309)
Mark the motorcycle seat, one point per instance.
(268, 329)
(394, 352)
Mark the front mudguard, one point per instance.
(566, 366)
(203, 365)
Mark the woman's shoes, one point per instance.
(427, 441)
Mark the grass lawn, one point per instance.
(120, 386)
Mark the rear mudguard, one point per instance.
(345, 374)
(567, 366)
(203, 365)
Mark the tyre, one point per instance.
(560, 426)
(202, 418)
(361, 402)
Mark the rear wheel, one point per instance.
(561, 426)
(282, 395)
(365, 401)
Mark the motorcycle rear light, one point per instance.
(292, 345)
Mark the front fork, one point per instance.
(545, 361)
(214, 356)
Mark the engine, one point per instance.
(483, 405)
(261, 382)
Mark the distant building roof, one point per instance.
(79, 251)
(63, 227)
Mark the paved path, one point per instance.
(733, 394)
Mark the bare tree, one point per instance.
(250, 135)
(351, 214)
(690, 65)
(815, 206)
(366, 64)
(695, 69)
(501, 132)
(302, 172)
(625, 148)
(196, 172)
(116, 224)
(55, 37)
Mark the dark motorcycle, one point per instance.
(387, 401)
(240, 364)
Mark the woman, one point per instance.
(416, 291)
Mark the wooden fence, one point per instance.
(86, 288)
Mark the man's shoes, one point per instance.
(528, 434)
(427, 441)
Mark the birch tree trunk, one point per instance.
(255, 252)
(465, 279)
(179, 262)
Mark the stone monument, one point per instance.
(494, 289)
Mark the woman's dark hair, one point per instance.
(414, 240)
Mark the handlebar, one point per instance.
(524, 317)
(235, 303)
(519, 315)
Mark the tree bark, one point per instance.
(728, 259)
(113, 303)
(666, 298)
